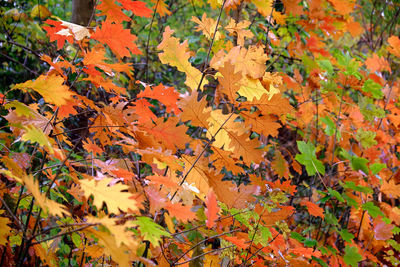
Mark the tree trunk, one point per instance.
(82, 11)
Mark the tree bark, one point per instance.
(82, 11)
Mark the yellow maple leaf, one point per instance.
(176, 54)
(51, 87)
(111, 195)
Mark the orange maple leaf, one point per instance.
(394, 48)
(240, 243)
(313, 209)
(376, 63)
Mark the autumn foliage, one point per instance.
(279, 149)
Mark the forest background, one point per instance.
(199, 133)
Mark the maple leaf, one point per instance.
(351, 256)
(292, 7)
(137, 7)
(376, 63)
(142, 109)
(120, 40)
(212, 209)
(343, 7)
(309, 159)
(51, 87)
(77, 31)
(168, 96)
(112, 196)
(176, 55)
(391, 189)
(240, 243)
(394, 48)
(265, 125)
(270, 218)
(313, 209)
(383, 231)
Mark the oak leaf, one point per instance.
(182, 213)
(212, 209)
(138, 8)
(51, 87)
(112, 196)
(176, 54)
(5, 230)
(120, 40)
(49, 206)
(168, 96)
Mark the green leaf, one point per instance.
(374, 88)
(36, 135)
(351, 256)
(350, 200)
(309, 159)
(326, 65)
(150, 230)
(377, 167)
(336, 194)
(358, 188)
(330, 218)
(297, 236)
(330, 127)
(357, 164)
(346, 235)
(366, 138)
(373, 210)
